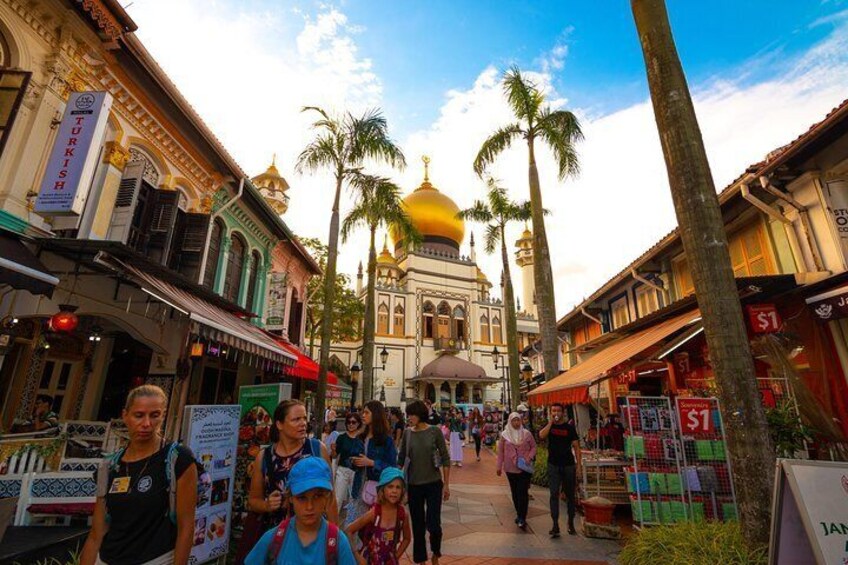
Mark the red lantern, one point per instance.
(64, 320)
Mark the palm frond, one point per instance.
(493, 238)
(499, 201)
(355, 219)
(326, 121)
(561, 131)
(369, 139)
(494, 146)
(319, 153)
(523, 95)
(478, 212)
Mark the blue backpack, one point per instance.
(204, 479)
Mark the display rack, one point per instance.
(604, 477)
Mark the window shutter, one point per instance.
(196, 228)
(163, 218)
(125, 202)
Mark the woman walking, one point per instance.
(455, 427)
(136, 517)
(475, 424)
(347, 446)
(379, 452)
(267, 501)
(425, 457)
(516, 450)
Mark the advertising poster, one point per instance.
(211, 432)
(275, 305)
(256, 416)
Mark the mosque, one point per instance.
(438, 322)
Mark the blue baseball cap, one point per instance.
(309, 473)
(388, 475)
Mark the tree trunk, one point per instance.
(705, 243)
(329, 297)
(545, 302)
(370, 322)
(511, 326)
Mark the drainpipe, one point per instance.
(591, 317)
(649, 283)
(209, 230)
(789, 228)
(804, 216)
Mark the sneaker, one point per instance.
(554, 533)
(459, 464)
(571, 530)
(522, 524)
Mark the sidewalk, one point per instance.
(479, 528)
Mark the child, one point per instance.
(307, 537)
(385, 530)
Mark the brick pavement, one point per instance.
(478, 524)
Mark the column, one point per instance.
(224, 254)
(452, 386)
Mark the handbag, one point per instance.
(525, 466)
(369, 489)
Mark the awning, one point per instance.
(214, 323)
(21, 269)
(573, 385)
(304, 367)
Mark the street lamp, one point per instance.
(384, 357)
(355, 372)
(497, 357)
(383, 393)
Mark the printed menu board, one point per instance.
(211, 432)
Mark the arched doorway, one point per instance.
(461, 393)
(477, 394)
(444, 395)
(430, 392)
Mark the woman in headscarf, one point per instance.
(516, 451)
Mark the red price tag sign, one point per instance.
(763, 318)
(695, 416)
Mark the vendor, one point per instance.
(43, 416)
(612, 434)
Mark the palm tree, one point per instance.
(560, 130)
(378, 204)
(497, 213)
(342, 145)
(705, 244)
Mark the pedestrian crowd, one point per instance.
(360, 495)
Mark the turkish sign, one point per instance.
(763, 318)
(275, 305)
(695, 416)
(72, 161)
(809, 517)
(831, 305)
(211, 432)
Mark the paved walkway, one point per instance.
(479, 528)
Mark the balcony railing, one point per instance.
(449, 344)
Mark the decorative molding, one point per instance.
(103, 18)
(26, 11)
(116, 155)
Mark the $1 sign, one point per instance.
(763, 318)
(695, 415)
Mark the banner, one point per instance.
(70, 167)
(256, 416)
(211, 432)
(275, 304)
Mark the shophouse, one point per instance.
(640, 333)
(134, 248)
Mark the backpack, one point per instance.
(366, 535)
(204, 479)
(331, 548)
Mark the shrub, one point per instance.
(540, 474)
(691, 544)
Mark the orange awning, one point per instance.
(573, 385)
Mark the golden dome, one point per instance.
(433, 213)
(482, 278)
(385, 257)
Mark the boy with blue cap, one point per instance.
(384, 530)
(307, 537)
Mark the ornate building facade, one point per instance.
(436, 314)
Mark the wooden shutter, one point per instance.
(161, 230)
(125, 202)
(194, 237)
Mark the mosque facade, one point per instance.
(437, 315)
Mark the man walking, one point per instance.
(564, 465)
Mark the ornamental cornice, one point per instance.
(103, 18)
(154, 132)
(116, 155)
(26, 11)
(249, 225)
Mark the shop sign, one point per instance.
(213, 349)
(211, 432)
(838, 192)
(627, 377)
(695, 416)
(809, 523)
(763, 318)
(70, 167)
(275, 304)
(831, 305)
(681, 363)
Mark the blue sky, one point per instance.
(761, 72)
